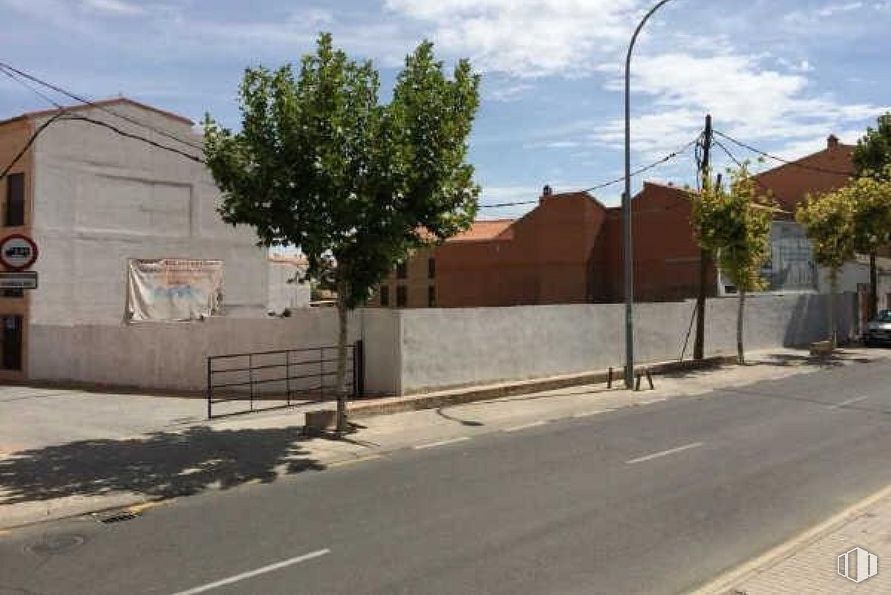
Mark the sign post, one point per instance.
(18, 253)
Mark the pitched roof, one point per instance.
(101, 103)
(485, 229)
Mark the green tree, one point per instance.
(872, 155)
(872, 158)
(828, 220)
(321, 164)
(734, 225)
(871, 197)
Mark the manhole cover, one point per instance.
(56, 544)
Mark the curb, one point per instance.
(730, 580)
(433, 400)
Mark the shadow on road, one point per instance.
(162, 464)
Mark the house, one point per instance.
(569, 249)
(119, 222)
(544, 257)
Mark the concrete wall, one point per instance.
(100, 199)
(170, 356)
(415, 350)
(283, 293)
(453, 347)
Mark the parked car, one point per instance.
(878, 330)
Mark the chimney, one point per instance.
(832, 142)
(546, 193)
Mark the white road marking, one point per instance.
(849, 402)
(441, 442)
(253, 573)
(525, 426)
(664, 453)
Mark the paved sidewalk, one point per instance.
(70, 453)
(808, 563)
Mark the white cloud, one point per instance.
(508, 93)
(114, 7)
(747, 100)
(525, 39)
(835, 8)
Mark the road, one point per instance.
(652, 499)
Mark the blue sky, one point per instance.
(778, 74)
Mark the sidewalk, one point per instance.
(808, 563)
(71, 453)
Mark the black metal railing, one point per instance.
(281, 378)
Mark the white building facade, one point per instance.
(96, 198)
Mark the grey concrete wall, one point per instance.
(170, 356)
(415, 350)
(453, 347)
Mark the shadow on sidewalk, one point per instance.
(162, 464)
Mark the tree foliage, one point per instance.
(872, 155)
(735, 224)
(871, 200)
(322, 165)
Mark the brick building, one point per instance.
(569, 248)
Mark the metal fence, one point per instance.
(273, 379)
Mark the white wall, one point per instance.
(100, 198)
(453, 347)
(283, 294)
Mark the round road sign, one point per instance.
(17, 252)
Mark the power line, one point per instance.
(64, 116)
(600, 186)
(31, 88)
(58, 89)
(798, 164)
(28, 144)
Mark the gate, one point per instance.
(266, 380)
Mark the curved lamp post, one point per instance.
(628, 252)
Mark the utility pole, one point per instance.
(704, 256)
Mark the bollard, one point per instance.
(649, 379)
(637, 382)
(609, 378)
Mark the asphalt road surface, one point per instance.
(652, 499)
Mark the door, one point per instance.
(12, 342)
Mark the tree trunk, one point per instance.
(833, 289)
(873, 307)
(740, 351)
(343, 321)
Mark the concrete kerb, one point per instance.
(457, 396)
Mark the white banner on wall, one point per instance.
(173, 289)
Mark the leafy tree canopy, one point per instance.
(321, 164)
(872, 155)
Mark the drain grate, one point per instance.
(115, 517)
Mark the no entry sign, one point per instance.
(17, 252)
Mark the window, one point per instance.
(431, 296)
(401, 296)
(385, 295)
(431, 268)
(401, 270)
(15, 200)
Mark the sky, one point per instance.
(780, 75)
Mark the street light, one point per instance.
(627, 252)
